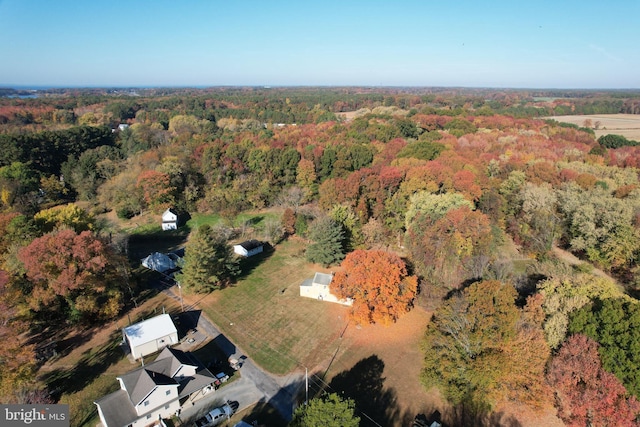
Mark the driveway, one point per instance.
(255, 385)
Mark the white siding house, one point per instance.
(154, 391)
(151, 335)
(248, 248)
(318, 288)
(169, 220)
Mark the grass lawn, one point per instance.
(254, 219)
(265, 315)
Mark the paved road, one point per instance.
(255, 385)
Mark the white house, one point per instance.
(150, 335)
(248, 248)
(169, 220)
(318, 288)
(155, 391)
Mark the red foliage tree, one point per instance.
(69, 269)
(378, 283)
(585, 393)
(289, 222)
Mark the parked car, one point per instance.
(215, 416)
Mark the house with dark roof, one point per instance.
(248, 248)
(156, 391)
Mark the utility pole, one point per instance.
(181, 302)
(306, 386)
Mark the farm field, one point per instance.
(627, 125)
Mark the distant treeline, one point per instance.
(46, 151)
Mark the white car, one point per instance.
(215, 416)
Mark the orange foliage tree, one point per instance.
(378, 283)
(156, 189)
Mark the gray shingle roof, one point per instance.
(142, 381)
(322, 278)
(117, 408)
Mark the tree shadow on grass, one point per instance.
(376, 405)
(143, 244)
(92, 364)
(264, 414)
(247, 265)
(470, 414)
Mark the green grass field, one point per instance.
(265, 315)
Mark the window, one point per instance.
(166, 406)
(146, 403)
(168, 392)
(148, 416)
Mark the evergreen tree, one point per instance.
(209, 262)
(328, 242)
(328, 411)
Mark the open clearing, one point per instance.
(627, 125)
(265, 316)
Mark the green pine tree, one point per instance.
(328, 242)
(328, 411)
(209, 262)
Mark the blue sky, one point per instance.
(533, 44)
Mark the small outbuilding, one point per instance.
(150, 336)
(159, 262)
(170, 219)
(318, 288)
(248, 248)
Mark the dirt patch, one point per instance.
(396, 349)
(627, 125)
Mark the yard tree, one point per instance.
(209, 262)
(586, 394)
(379, 284)
(330, 410)
(328, 241)
(73, 275)
(289, 222)
(480, 348)
(344, 215)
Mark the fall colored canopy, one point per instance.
(379, 284)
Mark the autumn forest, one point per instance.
(519, 233)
